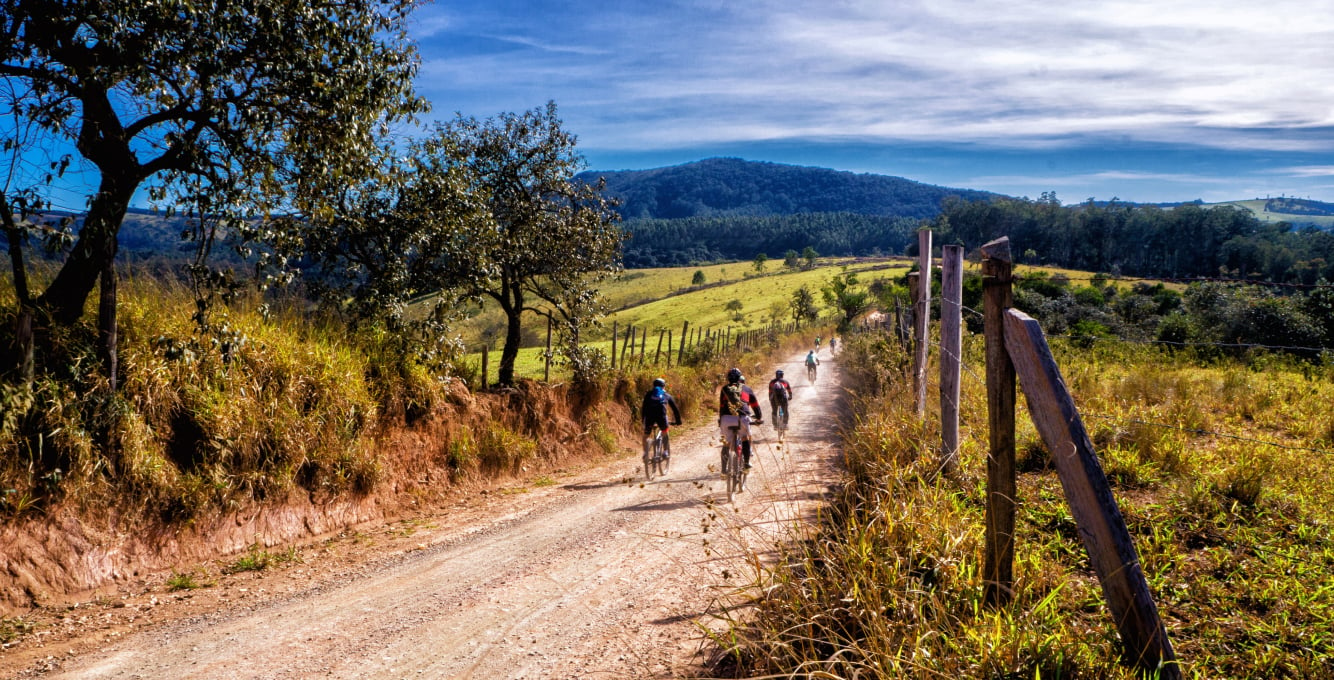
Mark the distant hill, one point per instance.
(718, 187)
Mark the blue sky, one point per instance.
(1145, 101)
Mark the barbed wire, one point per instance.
(1176, 343)
(1186, 280)
(1210, 433)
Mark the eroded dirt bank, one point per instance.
(594, 575)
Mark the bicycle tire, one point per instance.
(659, 463)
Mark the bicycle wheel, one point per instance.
(659, 463)
(732, 474)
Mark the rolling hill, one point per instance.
(734, 187)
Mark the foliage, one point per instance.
(549, 238)
(808, 254)
(698, 278)
(840, 294)
(683, 241)
(803, 306)
(172, 95)
(760, 261)
(791, 259)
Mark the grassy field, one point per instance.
(663, 299)
(1222, 472)
(1257, 208)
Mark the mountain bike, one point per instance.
(810, 372)
(656, 460)
(734, 464)
(780, 421)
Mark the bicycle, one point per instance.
(780, 421)
(810, 372)
(656, 459)
(734, 465)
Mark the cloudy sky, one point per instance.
(1146, 101)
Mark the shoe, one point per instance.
(746, 466)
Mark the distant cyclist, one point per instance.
(833, 345)
(812, 363)
(654, 412)
(737, 405)
(780, 393)
(817, 343)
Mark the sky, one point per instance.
(1173, 100)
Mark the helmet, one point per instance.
(659, 382)
(734, 375)
(778, 373)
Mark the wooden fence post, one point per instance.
(923, 318)
(629, 340)
(1092, 504)
(997, 296)
(613, 344)
(486, 354)
(643, 345)
(657, 353)
(669, 349)
(546, 370)
(681, 351)
(951, 352)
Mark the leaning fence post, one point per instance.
(997, 296)
(1101, 526)
(923, 318)
(613, 344)
(657, 353)
(951, 351)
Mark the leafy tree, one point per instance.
(760, 260)
(803, 306)
(549, 238)
(733, 306)
(791, 259)
(228, 108)
(808, 254)
(395, 238)
(841, 295)
(698, 278)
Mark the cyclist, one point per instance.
(833, 345)
(812, 362)
(817, 343)
(737, 405)
(654, 412)
(780, 393)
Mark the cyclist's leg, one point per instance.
(745, 443)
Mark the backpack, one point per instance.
(736, 400)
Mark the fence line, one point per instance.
(1210, 433)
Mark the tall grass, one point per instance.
(1234, 536)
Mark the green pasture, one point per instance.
(1257, 208)
(663, 299)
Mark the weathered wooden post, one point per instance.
(923, 318)
(681, 351)
(643, 345)
(669, 349)
(546, 369)
(486, 354)
(997, 296)
(657, 353)
(951, 352)
(1092, 504)
(629, 342)
(613, 344)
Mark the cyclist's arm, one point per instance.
(676, 412)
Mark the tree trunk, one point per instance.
(106, 322)
(513, 336)
(95, 250)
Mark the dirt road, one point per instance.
(601, 576)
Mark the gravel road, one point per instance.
(600, 576)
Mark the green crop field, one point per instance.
(664, 299)
(1257, 208)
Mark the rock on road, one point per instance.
(605, 576)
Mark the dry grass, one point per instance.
(1234, 536)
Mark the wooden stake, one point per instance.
(951, 352)
(1106, 538)
(923, 318)
(681, 353)
(613, 344)
(997, 296)
(657, 353)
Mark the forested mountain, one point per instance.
(736, 187)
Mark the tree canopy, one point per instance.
(227, 108)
